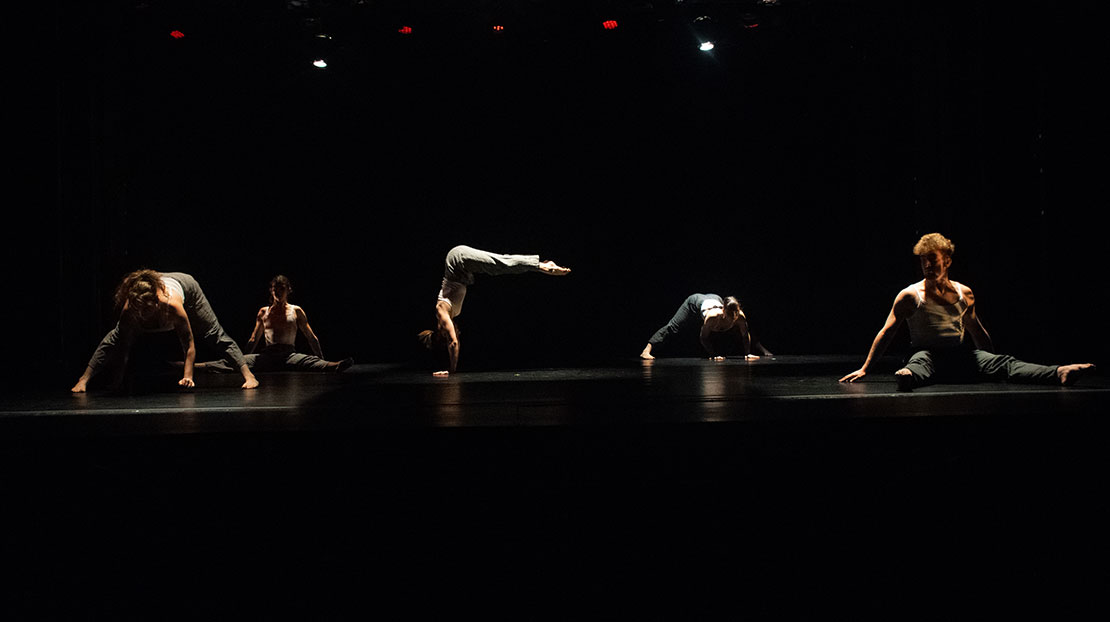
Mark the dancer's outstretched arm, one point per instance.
(306, 330)
(741, 327)
(257, 333)
(975, 329)
(184, 331)
(446, 326)
(904, 306)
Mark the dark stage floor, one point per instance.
(631, 393)
(664, 488)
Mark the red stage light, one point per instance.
(609, 24)
(405, 30)
(177, 34)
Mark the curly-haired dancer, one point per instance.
(939, 313)
(150, 301)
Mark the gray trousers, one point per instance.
(202, 319)
(277, 357)
(463, 262)
(960, 365)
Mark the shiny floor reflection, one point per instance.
(677, 390)
(767, 483)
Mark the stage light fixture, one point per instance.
(705, 32)
(498, 28)
(405, 30)
(177, 34)
(609, 24)
(321, 49)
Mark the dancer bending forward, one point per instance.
(712, 314)
(462, 263)
(150, 301)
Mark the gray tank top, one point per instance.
(935, 324)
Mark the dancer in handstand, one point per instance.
(150, 301)
(939, 313)
(277, 324)
(712, 314)
(462, 263)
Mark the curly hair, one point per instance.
(283, 281)
(733, 306)
(934, 242)
(138, 291)
(429, 339)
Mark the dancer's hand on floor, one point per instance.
(854, 376)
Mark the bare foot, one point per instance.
(79, 387)
(339, 366)
(904, 378)
(550, 267)
(646, 354)
(1070, 374)
(251, 383)
(441, 374)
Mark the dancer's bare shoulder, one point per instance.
(965, 291)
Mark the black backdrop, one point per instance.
(794, 166)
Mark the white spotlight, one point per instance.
(319, 62)
(706, 46)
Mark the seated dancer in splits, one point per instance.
(278, 324)
(150, 301)
(715, 315)
(939, 312)
(462, 263)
